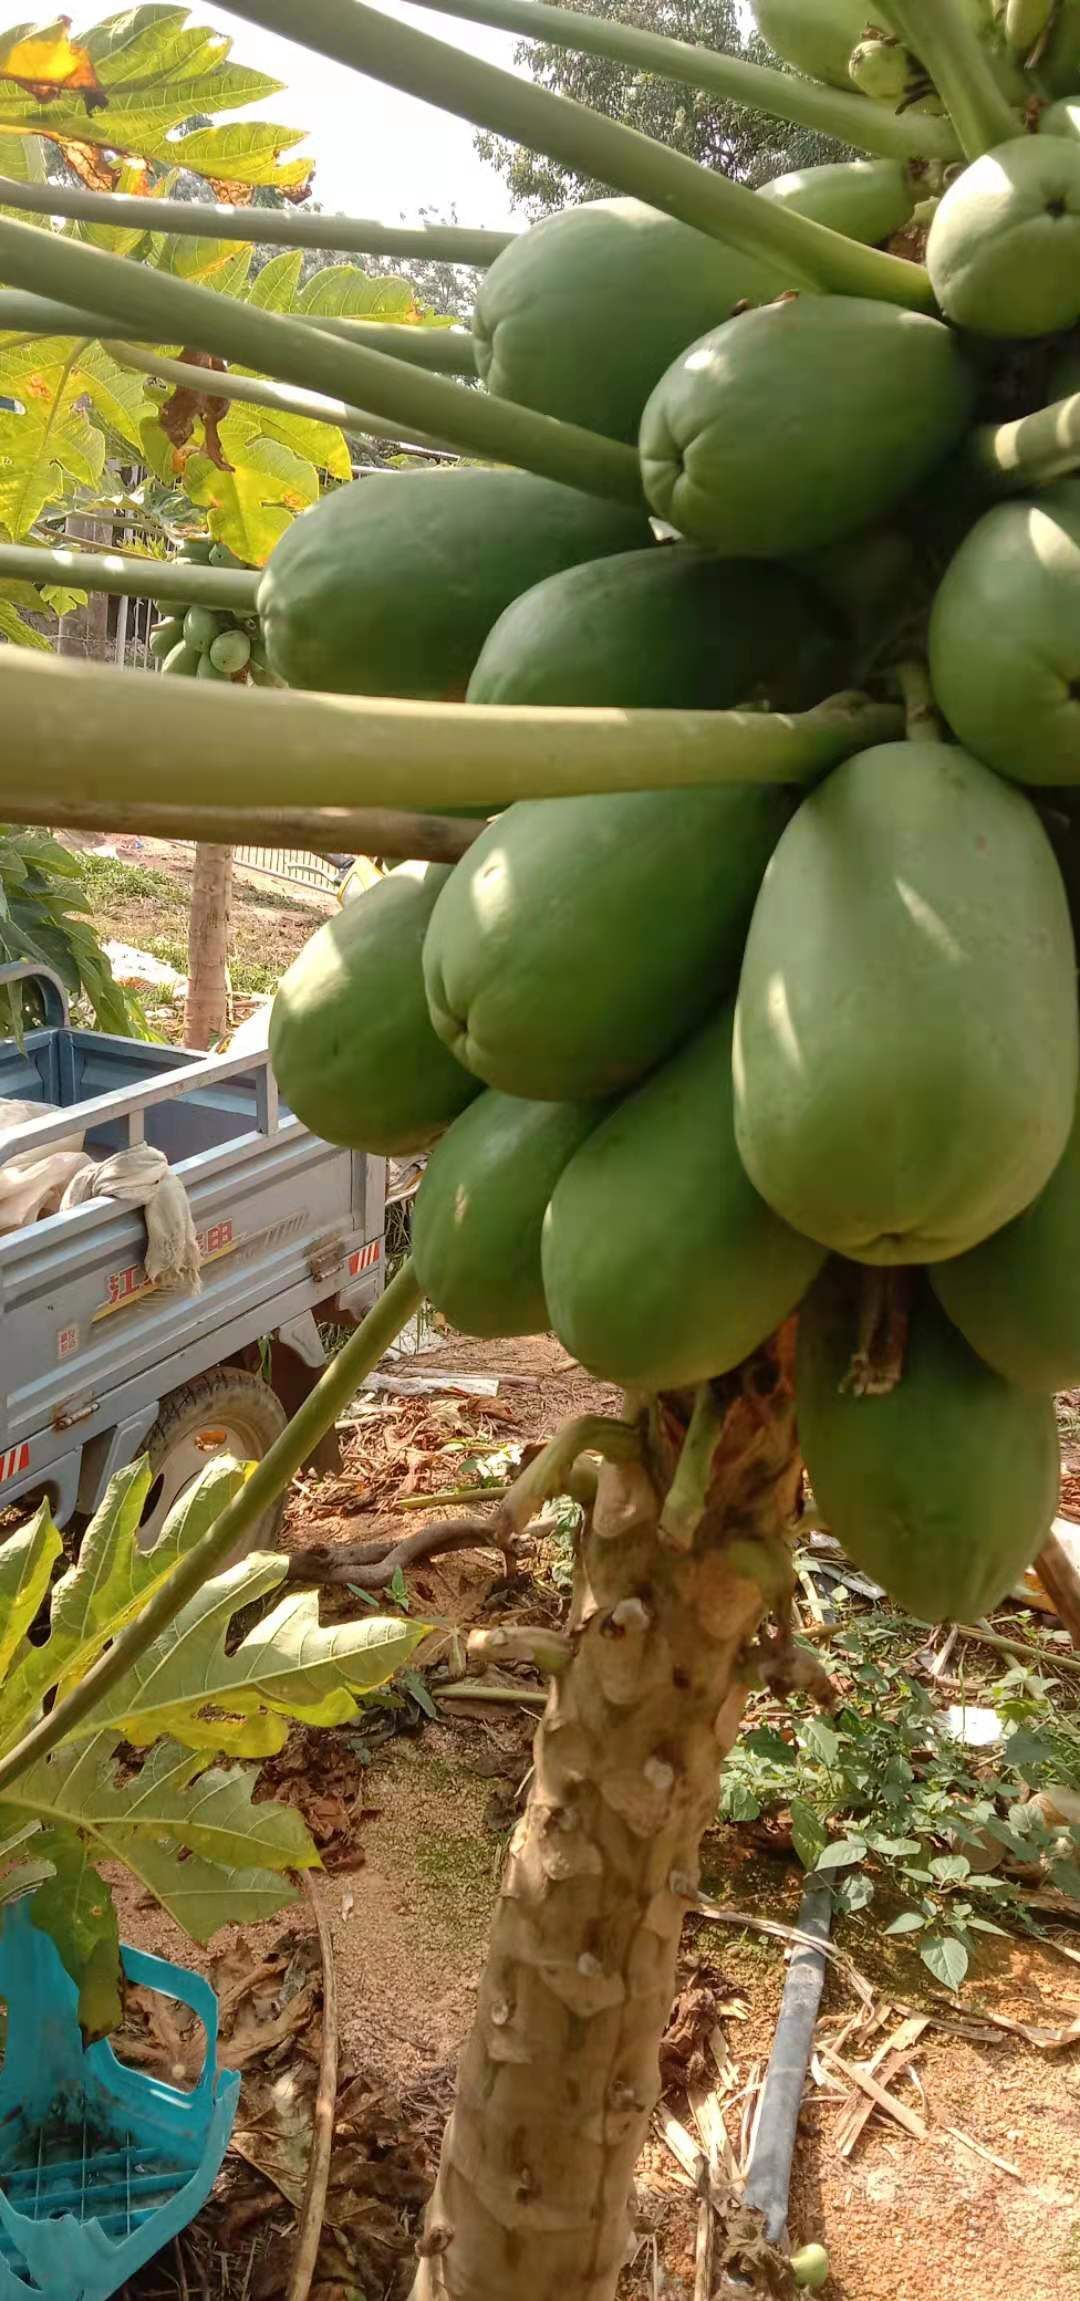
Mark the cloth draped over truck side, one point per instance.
(37, 1183)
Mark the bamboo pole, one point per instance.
(82, 735)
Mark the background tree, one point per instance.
(727, 137)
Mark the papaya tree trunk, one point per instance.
(559, 2075)
(206, 1014)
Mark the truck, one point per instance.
(97, 1364)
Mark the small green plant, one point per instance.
(883, 1794)
(141, 1779)
(43, 902)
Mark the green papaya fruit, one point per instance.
(202, 624)
(479, 1209)
(391, 585)
(182, 661)
(817, 36)
(661, 1264)
(1005, 638)
(733, 454)
(1003, 251)
(351, 1045)
(669, 626)
(196, 552)
(580, 316)
(230, 652)
(1062, 119)
(220, 556)
(1016, 1298)
(886, 71)
(906, 1031)
(580, 940)
(207, 668)
(1026, 22)
(945, 1487)
(867, 200)
(165, 636)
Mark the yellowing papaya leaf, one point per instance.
(318, 443)
(249, 506)
(188, 1686)
(48, 62)
(243, 152)
(27, 1559)
(48, 442)
(93, 166)
(220, 264)
(110, 1581)
(75, 1908)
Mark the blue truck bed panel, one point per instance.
(88, 1348)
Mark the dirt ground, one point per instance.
(412, 1816)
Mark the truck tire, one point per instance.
(225, 1411)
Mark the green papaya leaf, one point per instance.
(343, 291)
(288, 1666)
(110, 1581)
(75, 1908)
(274, 288)
(174, 1794)
(27, 1559)
(245, 152)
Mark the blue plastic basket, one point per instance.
(100, 2165)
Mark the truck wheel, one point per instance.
(225, 1411)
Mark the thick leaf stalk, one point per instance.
(367, 41)
(559, 2074)
(779, 95)
(287, 1455)
(1030, 452)
(80, 736)
(232, 588)
(280, 228)
(152, 305)
(940, 33)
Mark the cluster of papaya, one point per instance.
(196, 642)
(688, 1061)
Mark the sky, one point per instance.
(379, 153)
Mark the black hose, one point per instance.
(768, 2177)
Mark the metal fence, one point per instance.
(293, 864)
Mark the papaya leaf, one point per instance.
(318, 443)
(206, 1809)
(249, 506)
(219, 264)
(110, 1581)
(245, 152)
(274, 288)
(343, 291)
(204, 1895)
(26, 1563)
(288, 1666)
(75, 1908)
(20, 634)
(48, 442)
